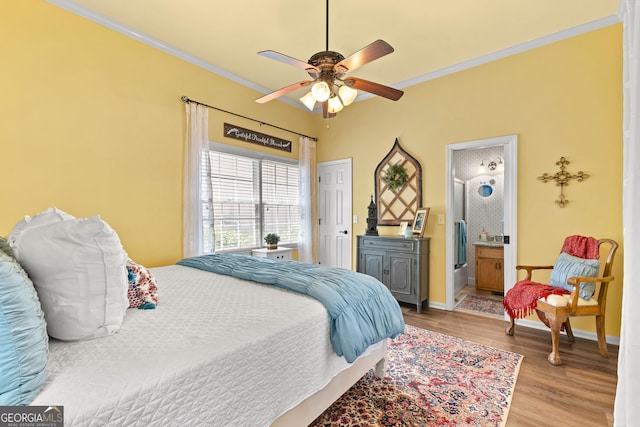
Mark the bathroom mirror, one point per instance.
(485, 190)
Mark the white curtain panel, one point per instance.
(627, 410)
(197, 142)
(307, 251)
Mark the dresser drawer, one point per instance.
(400, 244)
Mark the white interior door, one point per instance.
(334, 213)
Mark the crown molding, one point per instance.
(77, 9)
(514, 50)
(503, 53)
(89, 14)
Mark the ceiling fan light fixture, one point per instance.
(335, 105)
(347, 95)
(309, 101)
(321, 91)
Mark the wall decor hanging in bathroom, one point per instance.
(562, 179)
(398, 187)
(486, 188)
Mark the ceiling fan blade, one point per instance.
(291, 61)
(325, 110)
(374, 88)
(375, 50)
(273, 95)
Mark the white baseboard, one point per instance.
(613, 340)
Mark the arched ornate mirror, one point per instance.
(398, 187)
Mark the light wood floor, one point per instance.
(580, 392)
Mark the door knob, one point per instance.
(343, 232)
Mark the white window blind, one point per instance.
(281, 211)
(250, 198)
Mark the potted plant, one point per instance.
(272, 239)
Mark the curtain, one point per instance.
(197, 188)
(307, 251)
(626, 410)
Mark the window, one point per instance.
(250, 197)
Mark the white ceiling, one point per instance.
(430, 37)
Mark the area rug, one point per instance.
(432, 380)
(482, 304)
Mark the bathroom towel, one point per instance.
(461, 243)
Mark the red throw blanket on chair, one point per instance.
(581, 246)
(520, 301)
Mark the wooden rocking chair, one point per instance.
(555, 310)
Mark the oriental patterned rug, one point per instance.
(432, 380)
(482, 304)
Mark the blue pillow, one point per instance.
(4, 247)
(24, 343)
(570, 266)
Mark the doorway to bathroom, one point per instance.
(481, 223)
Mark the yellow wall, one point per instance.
(91, 122)
(564, 99)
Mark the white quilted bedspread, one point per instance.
(217, 351)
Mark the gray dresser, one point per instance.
(401, 264)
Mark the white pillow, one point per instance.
(78, 269)
(49, 216)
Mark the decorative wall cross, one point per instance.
(562, 178)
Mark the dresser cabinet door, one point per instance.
(400, 274)
(372, 264)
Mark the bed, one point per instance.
(217, 350)
(216, 340)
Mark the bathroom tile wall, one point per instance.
(480, 212)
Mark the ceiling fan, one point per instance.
(328, 69)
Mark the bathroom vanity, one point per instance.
(489, 266)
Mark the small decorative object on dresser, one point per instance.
(372, 219)
(272, 239)
(403, 227)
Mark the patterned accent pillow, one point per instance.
(143, 288)
(570, 266)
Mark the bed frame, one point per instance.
(309, 409)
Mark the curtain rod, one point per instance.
(186, 99)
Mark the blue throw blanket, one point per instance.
(361, 309)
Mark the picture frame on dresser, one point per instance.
(420, 221)
(404, 225)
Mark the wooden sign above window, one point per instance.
(236, 132)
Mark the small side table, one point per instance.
(280, 254)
